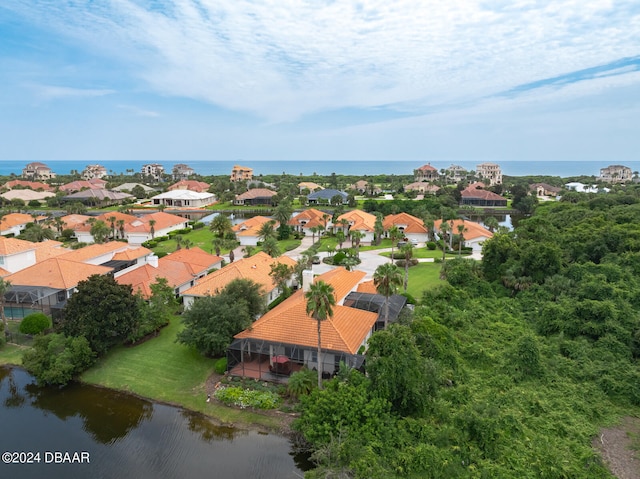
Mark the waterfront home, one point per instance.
(455, 174)
(98, 197)
(412, 228)
(37, 171)
(364, 187)
(241, 173)
(248, 232)
(94, 171)
(154, 171)
(615, 174)
(79, 185)
(490, 172)
(422, 187)
(14, 223)
(255, 197)
(357, 220)
(191, 185)
(327, 196)
(255, 268)
(288, 334)
(426, 173)
(82, 224)
(180, 171)
(544, 189)
(181, 269)
(310, 218)
(474, 234)
(182, 198)
(152, 225)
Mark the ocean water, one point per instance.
(359, 168)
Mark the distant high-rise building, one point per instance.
(615, 174)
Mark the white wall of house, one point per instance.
(18, 261)
(15, 230)
(137, 238)
(84, 237)
(248, 240)
(475, 244)
(419, 237)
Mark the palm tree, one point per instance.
(356, 236)
(314, 230)
(345, 225)
(36, 233)
(407, 251)
(152, 229)
(461, 230)
(444, 228)
(394, 235)
(220, 224)
(4, 287)
(378, 227)
(267, 230)
(387, 278)
(271, 247)
(248, 251)
(491, 222)
(120, 224)
(320, 303)
(340, 238)
(112, 222)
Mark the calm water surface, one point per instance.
(126, 437)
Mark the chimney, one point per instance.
(307, 279)
(152, 260)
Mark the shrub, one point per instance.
(412, 262)
(237, 396)
(302, 382)
(431, 245)
(197, 225)
(220, 366)
(160, 239)
(34, 323)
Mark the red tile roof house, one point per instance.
(288, 333)
(477, 197)
(247, 232)
(191, 185)
(255, 268)
(23, 184)
(14, 223)
(358, 220)
(81, 224)
(17, 254)
(310, 218)
(474, 235)
(182, 269)
(139, 230)
(426, 173)
(79, 185)
(413, 228)
(120, 257)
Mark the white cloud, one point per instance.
(51, 92)
(285, 59)
(140, 111)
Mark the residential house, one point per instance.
(16, 254)
(31, 185)
(184, 199)
(94, 171)
(154, 171)
(582, 188)
(474, 234)
(455, 174)
(412, 228)
(310, 218)
(241, 173)
(357, 220)
(27, 195)
(255, 268)
(422, 187)
(473, 196)
(248, 232)
(615, 174)
(128, 187)
(47, 285)
(191, 185)
(37, 171)
(116, 255)
(309, 186)
(99, 197)
(365, 188)
(426, 173)
(152, 225)
(181, 171)
(287, 334)
(14, 223)
(255, 196)
(182, 269)
(79, 185)
(490, 172)
(544, 189)
(327, 196)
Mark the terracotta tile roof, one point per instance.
(99, 194)
(56, 273)
(94, 250)
(27, 195)
(310, 185)
(131, 254)
(178, 268)
(426, 168)
(10, 246)
(367, 287)
(473, 230)
(49, 249)
(33, 185)
(311, 217)
(359, 220)
(192, 185)
(289, 323)
(256, 193)
(256, 268)
(411, 223)
(4, 272)
(81, 184)
(421, 186)
(72, 221)
(163, 220)
(14, 219)
(483, 194)
(251, 226)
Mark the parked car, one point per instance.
(414, 242)
(401, 244)
(315, 260)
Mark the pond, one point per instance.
(108, 434)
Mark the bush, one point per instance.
(34, 323)
(412, 262)
(220, 366)
(237, 396)
(160, 239)
(431, 245)
(150, 244)
(197, 225)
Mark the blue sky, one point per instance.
(423, 80)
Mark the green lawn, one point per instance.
(420, 253)
(11, 354)
(201, 237)
(423, 276)
(163, 370)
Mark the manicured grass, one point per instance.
(423, 276)
(420, 253)
(163, 370)
(201, 237)
(11, 354)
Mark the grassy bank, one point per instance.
(163, 370)
(11, 354)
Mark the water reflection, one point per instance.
(126, 436)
